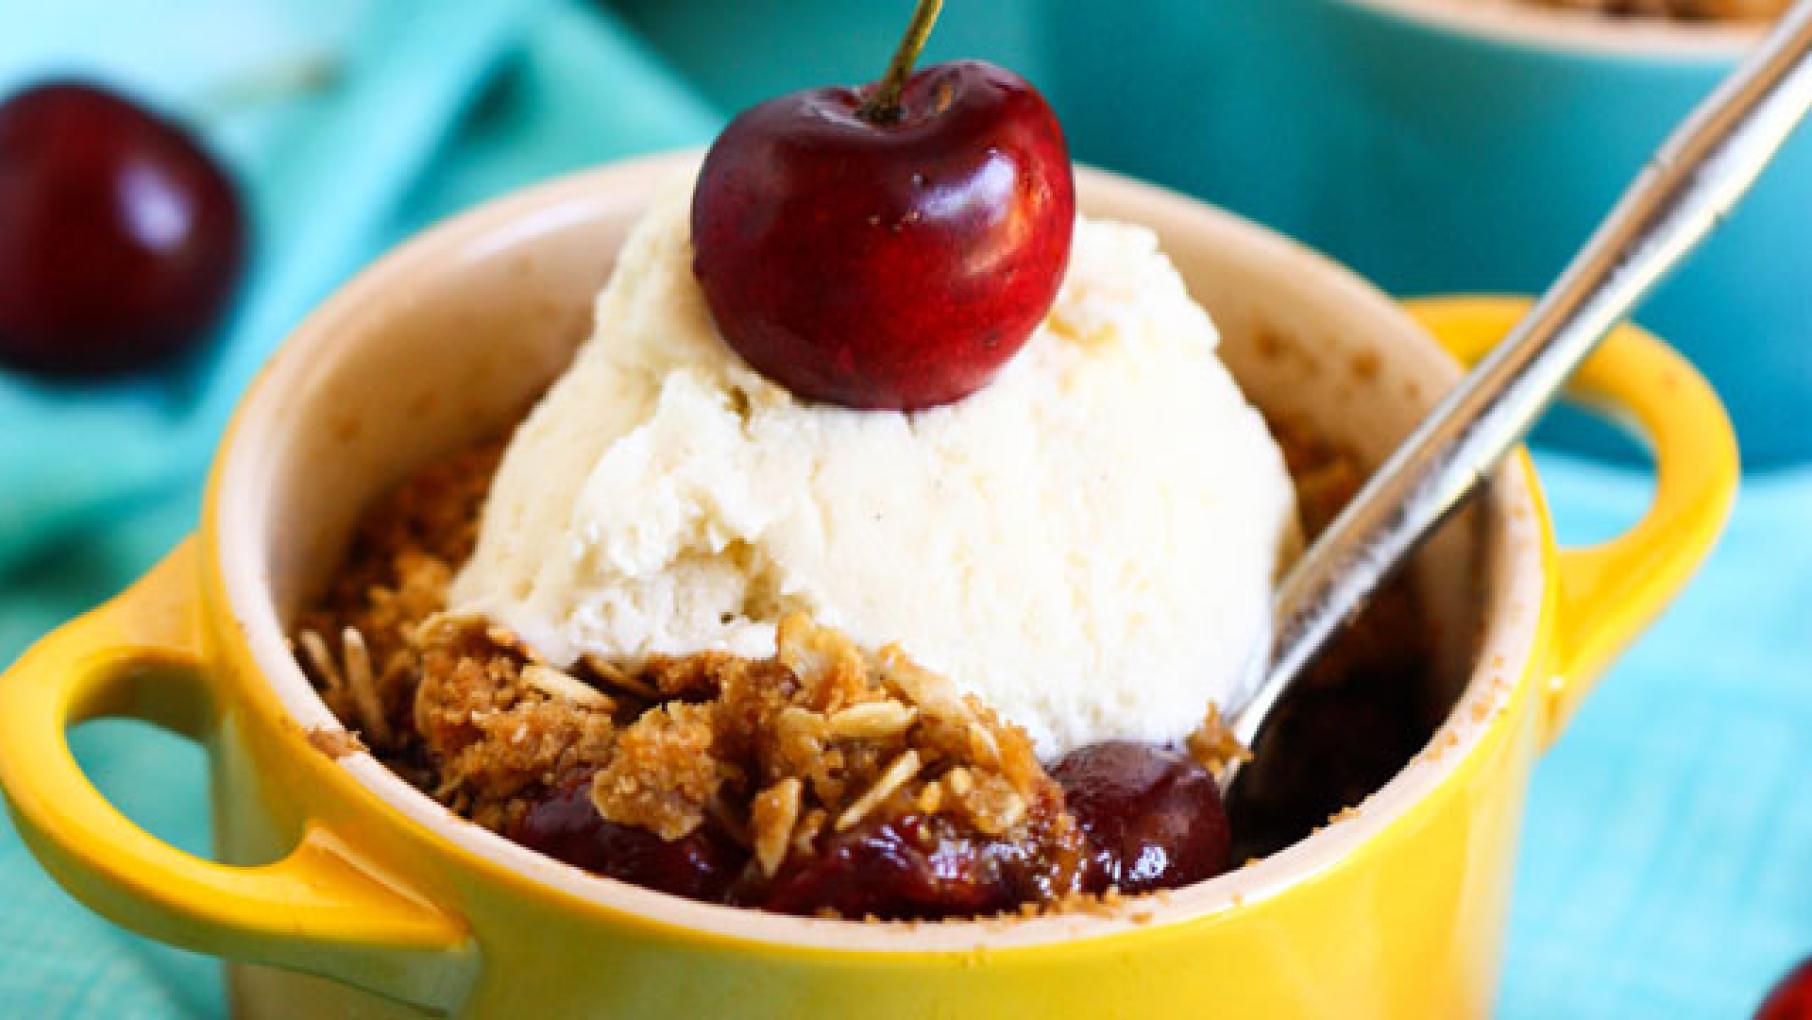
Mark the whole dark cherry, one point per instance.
(1792, 998)
(908, 866)
(565, 826)
(888, 246)
(1151, 817)
(121, 239)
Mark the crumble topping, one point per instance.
(1214, 745)
(779, 753)
(335, 743)
(788, 768)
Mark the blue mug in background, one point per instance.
(739, 53)
(1452, 145)
(1436, 146)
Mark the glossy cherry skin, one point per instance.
(910, 866)
(121, 239)
(1151, 816)
(886, 265)
(565, 826)
(1792, 998)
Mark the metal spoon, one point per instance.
(1695, 178)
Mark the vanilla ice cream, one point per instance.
(1088, 543)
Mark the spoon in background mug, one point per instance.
(1693, 180)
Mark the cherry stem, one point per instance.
(883, 107)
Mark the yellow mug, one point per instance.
(341, 890)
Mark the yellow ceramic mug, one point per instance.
(338, 868)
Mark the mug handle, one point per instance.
(320, 909)
(1606, 594)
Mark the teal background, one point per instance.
(1664, 868)
(1436, 162)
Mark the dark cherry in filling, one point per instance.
(566, 826)
(1152, 816)
(910, 866)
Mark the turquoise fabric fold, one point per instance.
(379, 86)
(430, 107)
(1663, 861)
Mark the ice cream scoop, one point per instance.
(1088, 543)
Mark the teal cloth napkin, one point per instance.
(389, 80)
(430, 106)
(1663, 863)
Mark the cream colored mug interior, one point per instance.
(448, 339)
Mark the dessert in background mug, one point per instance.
(335, 866)
(1450, 145)
(1704, 10)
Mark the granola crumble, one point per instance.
(781, 754)
(781, 769)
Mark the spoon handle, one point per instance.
(1692, 181)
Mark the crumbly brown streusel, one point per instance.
(778, 751)
(794, 757)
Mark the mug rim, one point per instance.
(1517, 606)
(1577, 33)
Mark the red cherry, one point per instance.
(1792, 998)
(889, 246)
(906, 867)
(1152, 817)
(120, 238)
(564, 825)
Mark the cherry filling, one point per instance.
(1152, 817)
(913, 866)
(1144, 818)
(564, 825)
